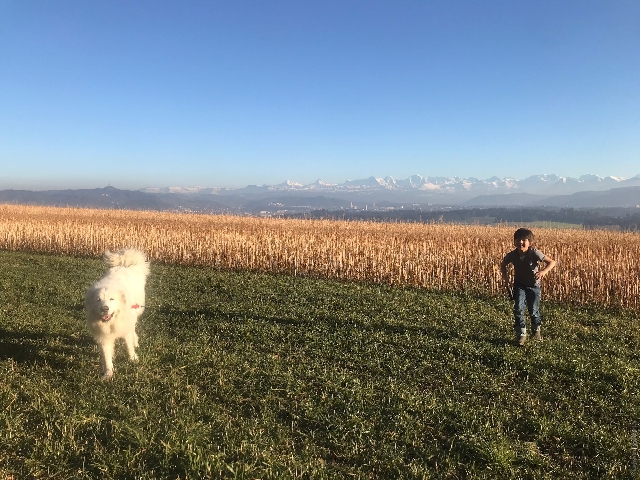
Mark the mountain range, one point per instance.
(455, 188)
(589, 191)
(414, 192)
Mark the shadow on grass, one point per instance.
(40, 348)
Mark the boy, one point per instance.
(526, 282)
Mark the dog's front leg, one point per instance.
(106, 355)
(132, 342)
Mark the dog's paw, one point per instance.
(108, 375)
(134, 357)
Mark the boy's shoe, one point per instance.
(537, 335)
(520, 339)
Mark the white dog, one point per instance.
(114, 303)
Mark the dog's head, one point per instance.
(104, 303)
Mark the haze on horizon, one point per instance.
(228, 94)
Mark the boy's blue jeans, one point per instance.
(529, 298)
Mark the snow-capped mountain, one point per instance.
(548, 184)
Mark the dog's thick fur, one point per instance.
(114, 303)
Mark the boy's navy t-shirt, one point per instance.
(526, 267)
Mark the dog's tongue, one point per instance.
(106, 317)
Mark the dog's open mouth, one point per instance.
(106, 317)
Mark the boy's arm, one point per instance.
(503, 270)
(550, 263)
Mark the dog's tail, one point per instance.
(127, 258)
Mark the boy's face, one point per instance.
(522, 244)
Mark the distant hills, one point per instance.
(624, 197)
(415, 192)
(108, 197)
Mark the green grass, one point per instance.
(259, 376)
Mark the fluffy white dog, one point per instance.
(114, 303)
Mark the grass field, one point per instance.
(247, 375)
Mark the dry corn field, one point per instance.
(593, 267)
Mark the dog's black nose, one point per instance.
(104, 308)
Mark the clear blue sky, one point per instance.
(156, 93)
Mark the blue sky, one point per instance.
(140, 93)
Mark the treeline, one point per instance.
(618, 218)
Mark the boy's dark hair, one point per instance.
(523, 234)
